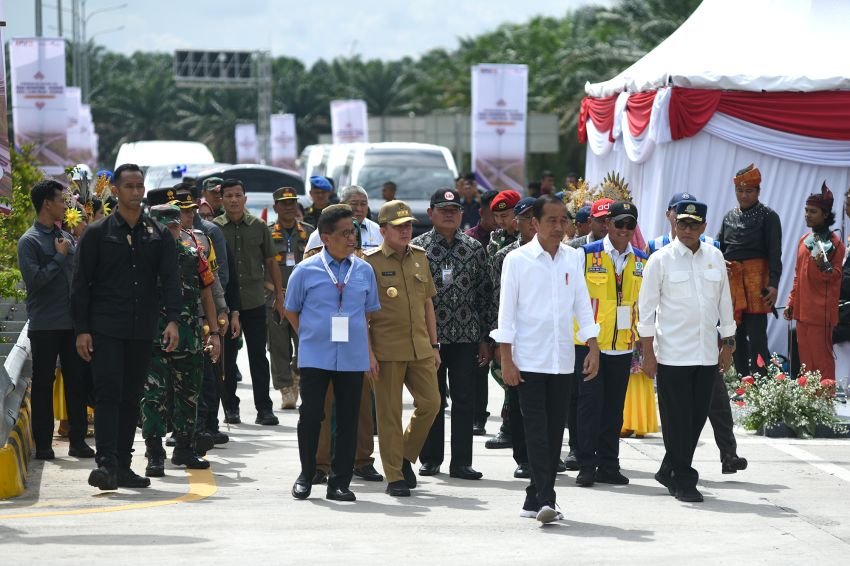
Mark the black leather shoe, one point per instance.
(501, 440)
(398, 489)
(104, 478)
(665, 480)
(45, 454)
(232, 417)
(586, 478)
(340, 494)
(368, 473)
(689, 495)
(407, 472)
(266, 417)
(319, 477)
(522, 471)
(301, 489)
(571, 462)
(613, 477)
(561, 467)
(220, 438)
(478, 428)
(80, 450)
(465, 473)
(428, 469)
(732, 463)
(129, 478)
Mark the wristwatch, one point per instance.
(729, 342)
(436, 346)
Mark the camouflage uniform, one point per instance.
(498, 240)
(180, 373)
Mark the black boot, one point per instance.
(155, 454)
(204, 442)
(105, 477)
(183, 455)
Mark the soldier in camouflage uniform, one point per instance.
(289, 238)
(179, 372)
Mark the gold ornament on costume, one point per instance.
(102, 188)
(106, 210)
(392, 292)
(613, 187)
(577, 195)
(73, 218)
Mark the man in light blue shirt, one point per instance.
(328, 301)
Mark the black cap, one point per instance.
(691, 210)
(623, 209)
(469, 176)
(445, 197)
(161, 196)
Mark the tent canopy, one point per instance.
(789, 45)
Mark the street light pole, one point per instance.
(38, 18)
(84, 20)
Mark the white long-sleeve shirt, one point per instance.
(540, 298)
(370, 236)
(682, 298)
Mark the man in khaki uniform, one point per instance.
(289, 239)
(404, 340)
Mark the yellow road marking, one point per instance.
(201, 486)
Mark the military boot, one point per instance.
(105, 476)
(184, 455)
(155, 454)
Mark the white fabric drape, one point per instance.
(704, 166)
(597, 141)
(640, 148)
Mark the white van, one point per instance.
(164, 152)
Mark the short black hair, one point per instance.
(542, 201)
(116, 175)
(44, 190)
(829, 219)
(227, 183)
(333, 214)
(488, 197)
(183, 186)
(96, 205)
(390, 184)
(470, 176)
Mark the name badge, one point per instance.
(624, 318)
(339, 327)
(448, 277)
(290, 259)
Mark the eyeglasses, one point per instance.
(685, 226)
(627, 223)
(348, 233)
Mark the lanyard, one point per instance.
(339, 286)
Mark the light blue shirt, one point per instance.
(311, 293)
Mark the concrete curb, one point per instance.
(15, 455)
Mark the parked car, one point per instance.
(260, 182)
(164, 152)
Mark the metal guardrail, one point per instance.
(16, 369)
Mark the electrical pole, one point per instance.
(264, 105)
(38, 18)
(59, 16)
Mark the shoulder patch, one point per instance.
(417, 248)
(371, 251)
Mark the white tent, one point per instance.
(755, 81)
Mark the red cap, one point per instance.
(600, 208)
(505, 200)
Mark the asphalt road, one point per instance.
(789, 506)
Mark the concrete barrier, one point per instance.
(15, 455)
(16, 441)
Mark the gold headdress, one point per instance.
(577, 195)
(102, 186)
(613, 187)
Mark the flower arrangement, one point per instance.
(774, 398)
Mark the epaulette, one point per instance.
(306, 225)
(371, 251)
(418, 248)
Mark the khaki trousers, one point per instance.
(420, 378)
(365, 441)
(283, 355)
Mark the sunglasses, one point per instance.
(627, 223)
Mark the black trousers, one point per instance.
(457, 371)
(347, 390)
(254, 330)
(572, 411)
(751, 340)
(119, 370)
(517, 427)
(480, 381)
(543, 398)
(720, 416)
(600, 413)
(46, 346)
(684, 396)
(209, 399)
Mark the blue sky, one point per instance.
(307, 30)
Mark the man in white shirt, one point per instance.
(543, 291)
(614, 273)
(370, 233)
(685, 292)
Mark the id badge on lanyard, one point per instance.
(448, 275)
(339, 319)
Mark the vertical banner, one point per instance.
(38, 99)
(284, 146)
(499, 111)
(5, 156)
(246, 143)
(349, 121)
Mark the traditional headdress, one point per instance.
(613, 187)
(749, 176)
(823, 200)
(577, 195)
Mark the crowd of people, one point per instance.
(557, 296)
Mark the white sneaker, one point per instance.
(548, 515)
(528, 514)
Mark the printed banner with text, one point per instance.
(284, 144)
(499, 111)
(349, 121)
(246, 143)
(5, 157)
(38, 99)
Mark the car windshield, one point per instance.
(416, 174)
(158, 176)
